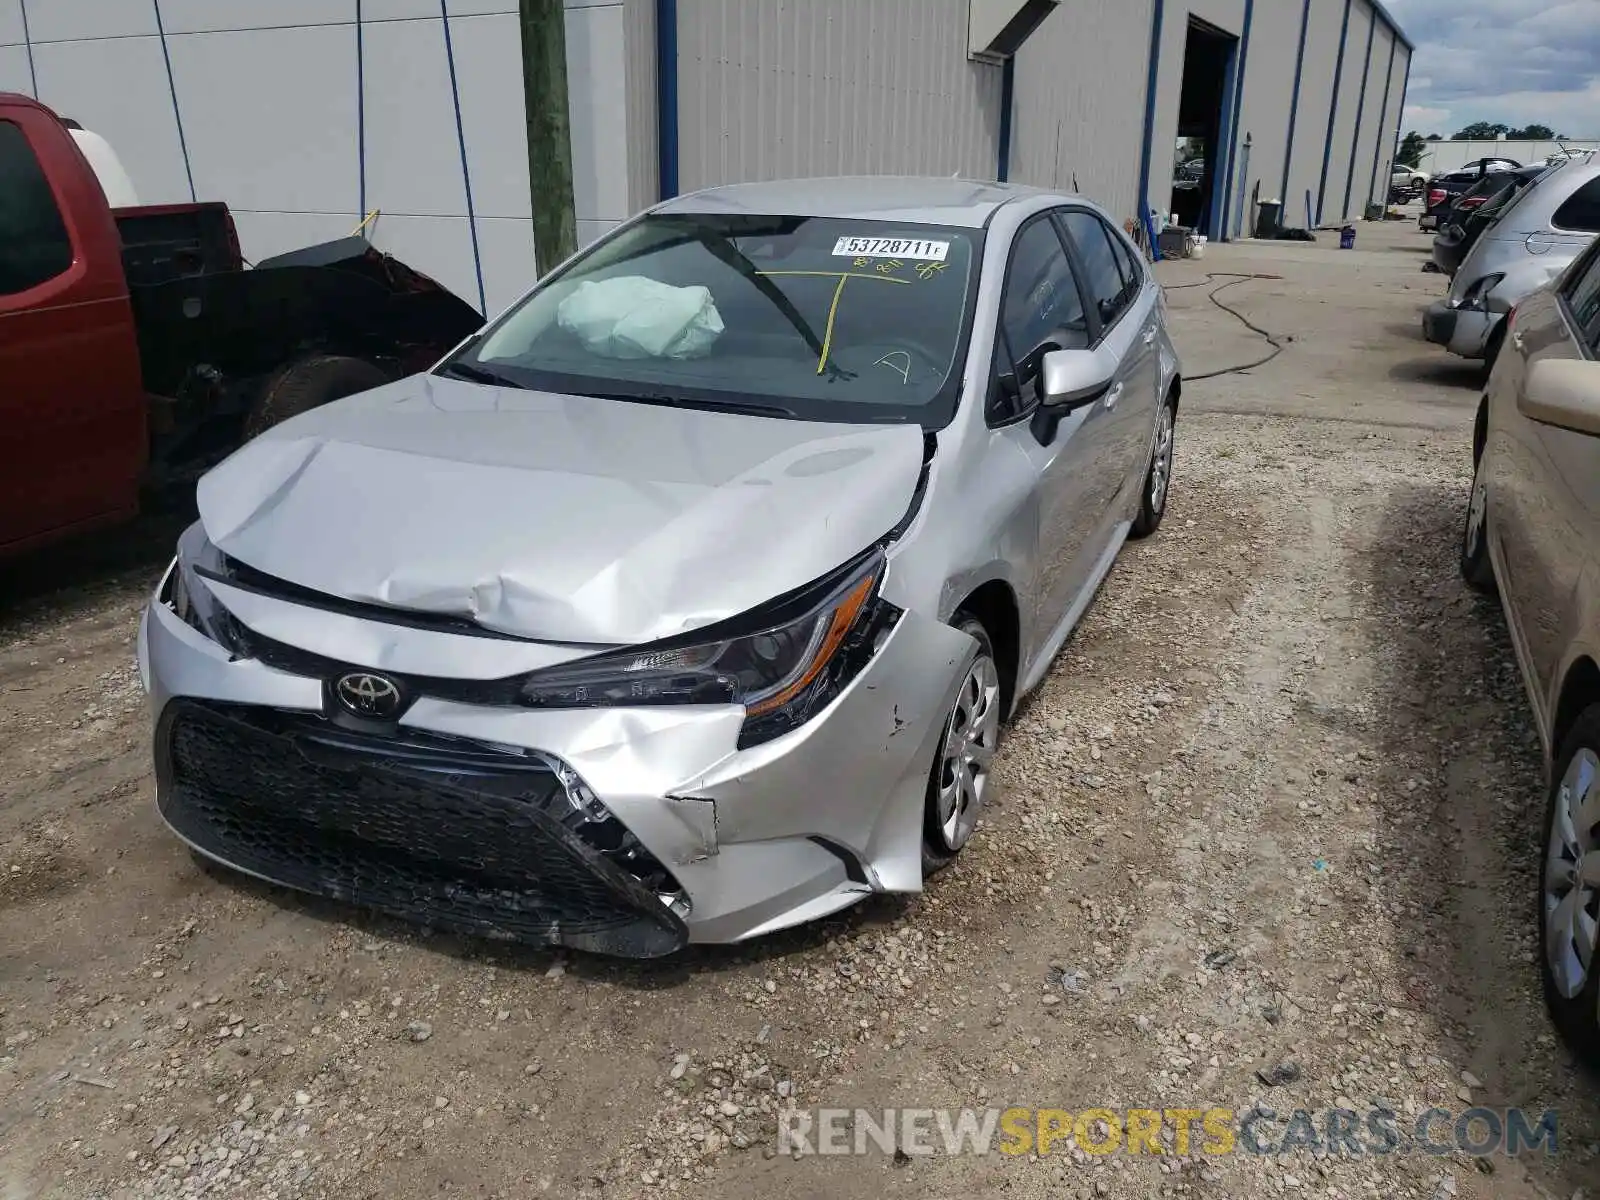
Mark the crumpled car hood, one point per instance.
(561, 518)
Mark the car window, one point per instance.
(1581, 210)
(34, 246)
(1132, 275)
(1041, 306)
(823, 318)
(1102, 279)
(1582, 295)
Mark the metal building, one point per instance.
(305, 116)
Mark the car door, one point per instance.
(1043, 307)
(1553, 539)
(70, 396)
(1129, 326)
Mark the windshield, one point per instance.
(811, 317)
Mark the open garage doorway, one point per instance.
(1205, 106)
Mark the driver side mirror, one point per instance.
(1071, 379)
(1564, 392)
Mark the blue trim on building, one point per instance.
(1228, 119)
(27, 42)
(172, 89)
(461, 142)
(1157, 13)
(1008, 95)
(667, 98)
(361, 117)
(1294, 102)
(1361, 111)
(1238, 112)
(1333, 114)
(1383, 118)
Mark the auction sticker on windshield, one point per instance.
(870, 247)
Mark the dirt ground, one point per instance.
(1278, 802)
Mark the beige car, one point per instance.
(1533, 534)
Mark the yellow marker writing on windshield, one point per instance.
(827, 336)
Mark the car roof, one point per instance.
(926, 201)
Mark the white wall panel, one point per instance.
(1316, 96)
(489, 69)
(209, 16)
(597, 66)
(1367, 136)
(263, 234)
(413, 156)
(11, 27)
(1264, 109)
(644, 168)
(506, 244)
(61, 20)
(817, 87)
(270, 116)
(412, 10)
(1344, 125)
(118, 88)
(14, 74)
(1080, 84)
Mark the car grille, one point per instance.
(444, 832)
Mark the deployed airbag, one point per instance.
(635, 317)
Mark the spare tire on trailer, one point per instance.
(309, 383)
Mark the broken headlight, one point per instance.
(782, 664)
(188, 597)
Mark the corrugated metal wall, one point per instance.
(644, 173)
(790, 88)
(1264, 111)
(1080, 95)
(1227, 15)
(1330, 191)
(1358, 180)
(1316, 99)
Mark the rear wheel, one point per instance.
(1158, 479)
(309, 383)
(960, 776)
(1569, 890)
(1491, 348)
(1476, 567)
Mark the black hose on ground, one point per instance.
(1234, 278)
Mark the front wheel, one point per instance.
(309, 383)
(1158, 479)
(1569, 891)
(960, 777)
(1476, 567)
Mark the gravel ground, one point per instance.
(1275, 807)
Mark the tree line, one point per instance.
(1414, 144)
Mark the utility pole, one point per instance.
(544, 86)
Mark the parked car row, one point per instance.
(1525, 298)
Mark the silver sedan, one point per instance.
(685, 601)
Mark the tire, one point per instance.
(1491, 349)
(309, 383)
(1476, 566)
(1572, 995)
(1157, 485)
(950, 812)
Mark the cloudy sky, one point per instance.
(1516, 62)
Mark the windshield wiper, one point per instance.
(668, 400)
(461, 370)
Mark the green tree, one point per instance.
(1434, 137)
(1482, 131)
(1411, 149)
(1533, 133)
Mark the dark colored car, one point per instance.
(1477, 210)
(1444, 190)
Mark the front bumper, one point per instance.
(1463, 331)
(455, 819)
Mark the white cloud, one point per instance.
(1517, 63)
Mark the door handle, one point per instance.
(1518, 341)
(1113, 396)
(1149, 337)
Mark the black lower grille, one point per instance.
(449, 834)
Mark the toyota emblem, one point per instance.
(367, 695)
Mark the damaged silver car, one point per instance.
(685, 601)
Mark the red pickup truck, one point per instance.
(137, 348)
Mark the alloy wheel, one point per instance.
(1161, 464)
(1572, 876)
(971, 737)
